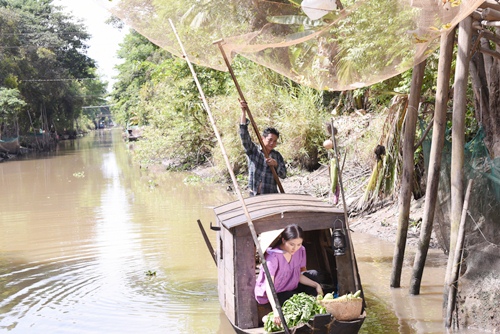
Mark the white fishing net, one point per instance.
(355, 45)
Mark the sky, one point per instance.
(105, 39)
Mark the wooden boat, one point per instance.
(10, 145)
(235, 256)
(133, 133)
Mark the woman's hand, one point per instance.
(277, 319)
(319, 289)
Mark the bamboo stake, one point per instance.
(353, 257)
(235, 183)
(207, 241)
(424, 134)
(408, 172)
(431, 194)
(452, 284)
(249, 114)
(458, 137)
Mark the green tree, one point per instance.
(44, 57)
(11, 105)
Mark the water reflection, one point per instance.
(399, 311)
(81, 227)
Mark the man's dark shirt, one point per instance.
(260, 178)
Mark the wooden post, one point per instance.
(431, 194)
(452, 284)
(408, 172)
(458, 137)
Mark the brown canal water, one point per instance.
(90, 243)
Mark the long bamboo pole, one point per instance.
(235, 183)
(431, 194)
(452, 284)
(353, 257)
(458, 138)
(249, 114)
(408, 173)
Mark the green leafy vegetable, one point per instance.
(299, 309)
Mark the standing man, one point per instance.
(260, 178)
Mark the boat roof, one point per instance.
(232, 215)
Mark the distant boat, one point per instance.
(235, 256)
(10, 145)
(134, 132)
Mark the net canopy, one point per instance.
(324, 44)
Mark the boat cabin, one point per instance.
(238, 262)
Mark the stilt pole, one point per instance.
(431, 194)
(410, 126)
(458, 139)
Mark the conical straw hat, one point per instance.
(268, 239)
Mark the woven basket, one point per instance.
(343, 310)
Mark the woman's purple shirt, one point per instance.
(286, 274)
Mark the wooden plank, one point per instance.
(228, 251)
(258, 330)
(306, 220)
(345, 274)
(246, 305)
(277, 201)
(230, 308)
(221, 268)
(269, 198)
(263, 213)
(345, 270)
(256, 210)
(229, 287)
(276, 207)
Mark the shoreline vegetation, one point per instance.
(357, 139)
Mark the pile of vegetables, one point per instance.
(348, 296)
(299, 309)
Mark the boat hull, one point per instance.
(321, 324)
(10, 146)
(235, 255)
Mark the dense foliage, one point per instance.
(157, 91)
(43, 63)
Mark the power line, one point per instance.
(45, 80)
(83, 46)
(43, 33)
(104, 106)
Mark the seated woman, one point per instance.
(287, 268)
